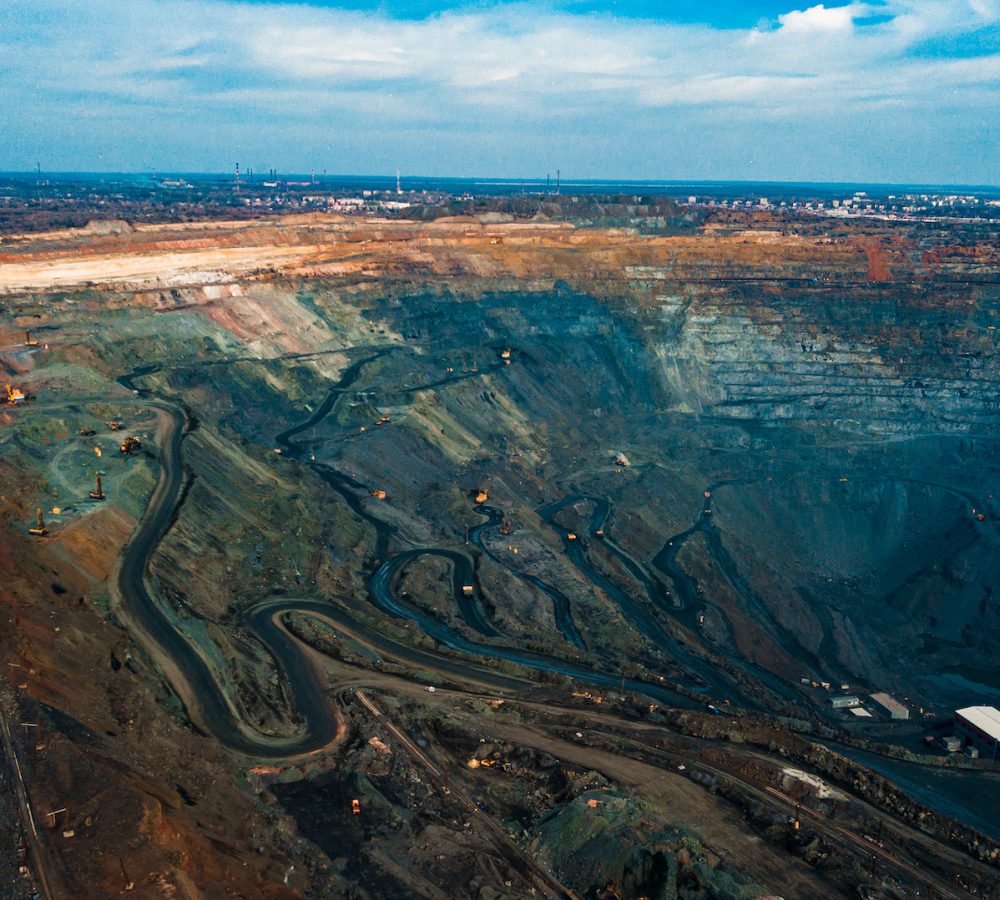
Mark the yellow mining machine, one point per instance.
(115, 425)
(130, 445)
(29, 341)
(39, 530)
(15, 397)
(98, 492)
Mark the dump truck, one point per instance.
(356, 807)
(378, 494)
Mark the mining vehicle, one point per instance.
(15, 396)
(40, 530)
(29, 341)
(98, 492)
(130, 445)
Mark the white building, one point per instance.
(981, 726)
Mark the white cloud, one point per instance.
(186, 48)
(819, 19)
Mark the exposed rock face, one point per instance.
(874, 359)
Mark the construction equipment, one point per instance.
(39, 530)
(14, 396)
(481, 496)
(505, 353)
(504, 526)
(378, 494)
(130, 445)
(29, 341)
(115, 426)
(98, 492)
(599, 533)
(87, 432)
(570, 536)
(468, 590)
(356, 807)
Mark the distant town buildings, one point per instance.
(906, 207)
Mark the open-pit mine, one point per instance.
(499, 556)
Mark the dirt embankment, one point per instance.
(217, 252)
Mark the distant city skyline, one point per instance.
(904, 91)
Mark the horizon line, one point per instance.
(500, 180)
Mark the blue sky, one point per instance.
(887, 91)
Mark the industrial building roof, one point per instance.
(985, 718)
(889, 703)
(861, 712)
